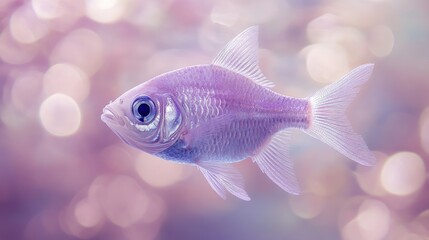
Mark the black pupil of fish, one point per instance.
(144, 110)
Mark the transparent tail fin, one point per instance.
(328, 121)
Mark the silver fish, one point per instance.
(216, 114)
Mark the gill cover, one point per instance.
(156, 122)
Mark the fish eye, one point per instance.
(144, 109)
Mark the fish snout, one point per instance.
(109, 116)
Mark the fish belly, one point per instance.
(237, 140)
(234, 140)
(231, 142)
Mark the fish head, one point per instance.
(146, 118)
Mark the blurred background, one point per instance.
(65, 175)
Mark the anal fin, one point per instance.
(222, 178)
(274, 161)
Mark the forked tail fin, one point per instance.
(328, 121)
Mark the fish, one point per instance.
(213, 115)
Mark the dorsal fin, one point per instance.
(240, 55)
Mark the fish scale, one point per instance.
(261, 114)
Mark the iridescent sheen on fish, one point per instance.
(216, 114)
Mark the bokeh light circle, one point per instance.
(106, 11)
(88, 213)
(403, 173)
(48, 9)
(124, 201)
(326, 62)
(307, 206)
(368, 178)
(68, 79)
(373, 213)
(14, 52)
(60, 115)
(372, 222)
(25, 27)
(158, 173)
(382, 41)
(81, 47)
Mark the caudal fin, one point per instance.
(328, 121)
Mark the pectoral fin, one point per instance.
(222, 178)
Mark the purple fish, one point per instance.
(216, 114)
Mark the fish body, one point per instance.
(229, 117)
(216, 114)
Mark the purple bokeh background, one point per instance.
(65, 175)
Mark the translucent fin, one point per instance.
(222, 177)
(274, 161)
(240, 55)
(328, 122)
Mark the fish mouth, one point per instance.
(109, 116)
